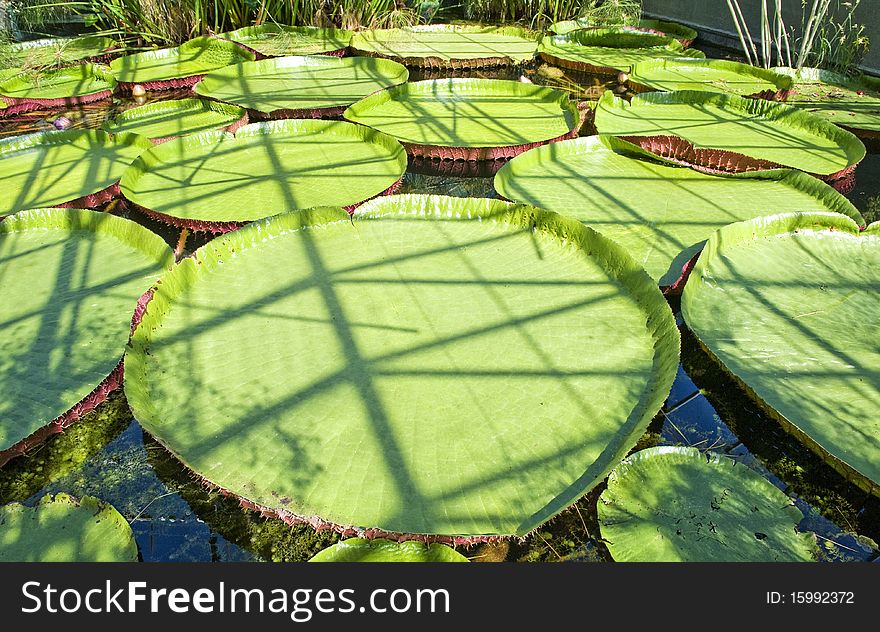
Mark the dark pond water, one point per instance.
(109, 456)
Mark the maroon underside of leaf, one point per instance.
(18, 108)
(91, 401)
(579, 66)
(61, 102)
(438, 63)
(307, 113)
(677, 286)
(125, 87)
(93, 200)
(719, 161)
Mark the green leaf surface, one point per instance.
(677, 504)
(618, 48)
(468, 113)
(660, 212)
(448, 42)
(756, 128)
(75, 81)
(671, 29)
(46, 168)
(382, 550)
(264, 169)
(429, 366)
(301, 82)
(789, 305)
(276, 40)
(714, 75)
(64, 529)
(851, 102)
(195, 57)
(59, 51)
(69, 283)
(177, 117)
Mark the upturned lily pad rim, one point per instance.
(617, 263)
(247, 34)
(123, 73)
(392, 551)
(154, 156)
(238, 114)
(683, 454)
(469, 86)
(640, 73)
(86, 504)
(778, 225)
(820, 75)
(781, 113)
(393, 71)
(83, 220)
(100, 73)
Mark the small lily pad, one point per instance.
(382, 550)
(713, 75)
(276, 40)
(65, 86)
(59, 51)
(167, 119)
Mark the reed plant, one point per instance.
(541, 13)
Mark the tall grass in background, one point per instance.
(542, 13)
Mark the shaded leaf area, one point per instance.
(448, 43)
(50, 168)
(468, 113)
(676, 504)
(782, 301)
(69, 284)
(301, 82)
(387, 405)
(195, 57)
(276, 40)
(76, 81)
(177, 117)
(660, 212)
(850, 102)
(265, 169)
(714, 75)
(612, 48)
(775, 132)
(56, 51)
(381, 550)
(670, 29)
(65, 529)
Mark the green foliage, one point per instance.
(540, 13)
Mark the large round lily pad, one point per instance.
(276, 40)
(65, 529)
(851, 102)
(164, 120)
(429, 365)
(213, 179)
(725, 132)
(301, 86)
(713, 75)
(449, 46)
(177, 67)
(65, 86)
(660, 212)
(610, 50)
(469, 118)
(789, 305)
(676, 504)
(382, 550)
(684, 34)
(53, 168)
(59, 51)
(70, 282)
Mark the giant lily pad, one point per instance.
(80, 167)
(382, 550)
(301, 86)
(65, 529)
(684, 34)
(70, 282)
(852, 103)
(66, 86)
(725, 132)
(60, 51)
(470, 119)
(275, 40)
(429, 365)
(609, 50)
(177, 67)
(164, 120)
(676, 504)
(661, 213)
(449, 46)
(215, 181)
(769, 298)
(714, 75)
